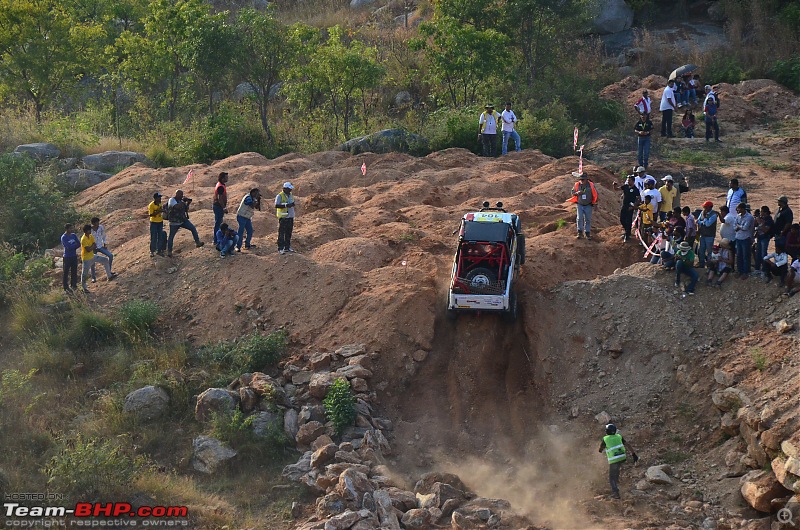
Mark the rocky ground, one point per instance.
(703, 386)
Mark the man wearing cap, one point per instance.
(668, 193)
(684, 264)
(244, 217)
(642, 129)
(784, 218)
(744, 228)
(667, 107)
(487, 130)
(584, 195)
(220, 205)
(509, 125)
(630, 202)
(710, 107)
(155, 211)
(707, 230)
(284, 210)
(639, 179)
(682, 187)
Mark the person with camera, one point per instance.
(244, 216)
(178, 216)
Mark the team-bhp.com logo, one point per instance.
(94, 514)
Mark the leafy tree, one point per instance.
(209, 53)
(43, 50)
(465, 60)
(339, 73)
(265, 52)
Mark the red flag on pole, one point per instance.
(364, 169)
(188, 176)
(580, 161)
(575, 139)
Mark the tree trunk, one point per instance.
(262, 114)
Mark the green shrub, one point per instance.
(230, 131)
(89, 329)
(263, 351)
(454, 128)
(86, 468)
(138, 316)
(236, 430)
(787, 72)
(340, 405)
(549, 129)
(724, 68)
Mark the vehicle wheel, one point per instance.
(521, 249)
(481, 277)
(513, 309)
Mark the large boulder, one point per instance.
(215, 400)
(266, 423)
(147, 403)
(730, 399)
(309, 432)
(386, 141)
(320, 383)
(611, 16)
(290, 423)
(39, 151)
(81, 179)
(658, 475)
(759, 488)
(113, 161)
(209, 454)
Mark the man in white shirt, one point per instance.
(735, 195)
(509, 122)
(487, 130)
(645, 104)
(640, 180)
(653, 193)
(667, 107)
(100, 240)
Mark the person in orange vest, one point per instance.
(584, 195)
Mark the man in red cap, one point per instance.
(707, 230)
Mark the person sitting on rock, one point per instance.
(684, 264)
(225, 240)
(615, 448)
(721, 266)
(688, 123)
(792, 281)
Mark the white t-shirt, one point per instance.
(656, 198)
(491, 122)
(665, 97)
(509, 120)
(727, 230)
(638, 182)
(796, 265)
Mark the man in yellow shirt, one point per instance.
(89, 257)
(156, 224)
(668, 193)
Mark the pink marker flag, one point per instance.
(364, 169)
(575, 139)
(580, 161)
(188, 176)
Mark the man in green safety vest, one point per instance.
(614, 445)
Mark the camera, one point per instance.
(187, 200)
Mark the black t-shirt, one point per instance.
(643, 126)
(630, 194)
(783, 219)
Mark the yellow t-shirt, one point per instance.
(86, 241)
(151, 209)
(647, 214)
(668, 197)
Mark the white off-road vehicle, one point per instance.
(491, 249)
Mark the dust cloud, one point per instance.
(546, 482)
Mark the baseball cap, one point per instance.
(708, 203)
(784, 199)
(707, 88)
(578, 175)
(640, 169)
(156, 195)
(288, 185)
(668, 177)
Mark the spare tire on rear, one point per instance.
(481, 277)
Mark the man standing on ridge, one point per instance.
(220, 205)
(71, 244)
(667, 107)
(244, 217)
(156, 211)
(710, 108)
(584, 195)
(614, 445)
(643, 129)
(284, 210)
(487, 130)
(509, 125)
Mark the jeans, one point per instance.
(762, 245)
(643, 150)
(743, 255)
(770, 269)
(228, 245)
(155, 235)
(666, 123)
(173, 229)
(70, 277)
(613, 476)
(706, 242)
(711, 123)
(244, 224)
(693, 95)
(626, 220)
(219, 213)
(690, 132)
(682, 268)
(584, 218)
(489, 144)
(285, 227)
(107, 253)
(512, 134)
(89, 264)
